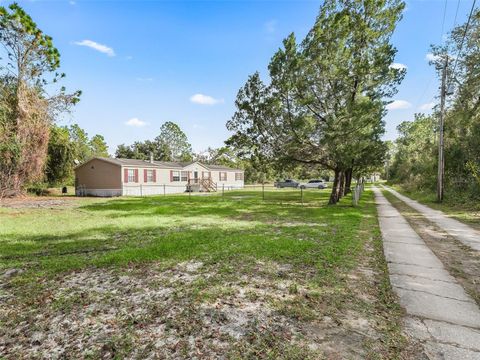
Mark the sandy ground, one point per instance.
(191, 311)
(32, 202)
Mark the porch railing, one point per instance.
(204, 184)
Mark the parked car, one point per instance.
(287, 183)
(314, 184)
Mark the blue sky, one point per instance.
(141, 63)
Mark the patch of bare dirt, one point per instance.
(195, 311)
(38, 202)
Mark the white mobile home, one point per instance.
(117, 177)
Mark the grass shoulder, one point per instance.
(465, 209)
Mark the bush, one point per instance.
(39, 189)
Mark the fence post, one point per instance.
(263, 191)
(223, 191)
(141, 190)
(357, 192)
(301, 193)
(164, 193)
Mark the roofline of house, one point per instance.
(94, 158)
(152, 165)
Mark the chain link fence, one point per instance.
(270, 192)
(266, 192)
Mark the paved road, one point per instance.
(439, 312)
(455, 228)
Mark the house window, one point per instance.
(222, 176)
(131, 175)
(238, 176)
(184, 175)
(150, 176)
(205, 174)
(176, 176)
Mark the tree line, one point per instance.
(413, 159)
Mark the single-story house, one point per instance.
(116, 177)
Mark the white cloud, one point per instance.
(72, 2)
(398, 104)
(147, 79)
(431, 57)
(96, 46)
(135, 122)
(398, 66)
(427, 106)
(270, 26)
(204, 99)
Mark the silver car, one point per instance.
(314, 184)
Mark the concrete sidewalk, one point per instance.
(439, 313)
(455, 228)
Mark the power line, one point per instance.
(443, 21)
(456, 13)
(427, 86)
(441, 41)
(464, 35)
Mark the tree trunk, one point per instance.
(341, 185)
(348, 181)
(334, 194)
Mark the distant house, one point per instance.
(117, 177)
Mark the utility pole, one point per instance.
(441, 158)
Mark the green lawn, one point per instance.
(200, 259)
(177, 228)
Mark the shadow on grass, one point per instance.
(214, 245)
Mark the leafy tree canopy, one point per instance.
(326, 96)
(66, 146)
(173, 143)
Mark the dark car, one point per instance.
(287, 183)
